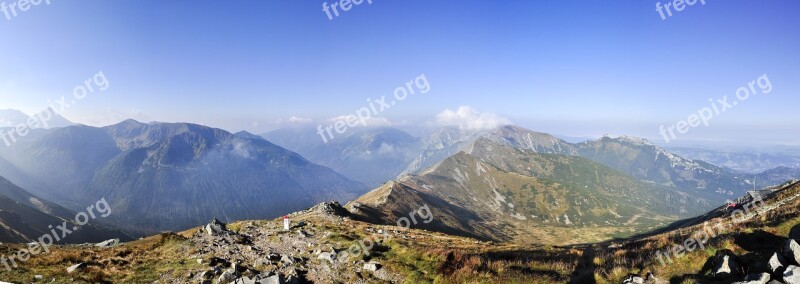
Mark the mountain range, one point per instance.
(168, 176)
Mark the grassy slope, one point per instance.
(424, 257)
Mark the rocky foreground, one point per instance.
(782, 266)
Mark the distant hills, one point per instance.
(170, 176)
(639, 158)
(745, 160)
(11, 118)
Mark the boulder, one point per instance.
(372, 266)
(726, 266)
(762, 278)
(227, 277)
(216, 228)
(633, 279)
(76, 268)
(792, 275)
(777, 264)
(274, 279)
(792, 251)
(327, 256)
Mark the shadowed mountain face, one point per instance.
(172, 176)
(502, 192)
(26, 218)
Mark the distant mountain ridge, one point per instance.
(636, 157)
(12, 118)
(519, 189)
(189, 172)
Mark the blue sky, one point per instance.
(579, 68)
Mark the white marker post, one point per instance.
(285, 223)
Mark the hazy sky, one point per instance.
(579, 68)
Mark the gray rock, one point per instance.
(288, 260)
(762, 278)
(78, 267)
(372, 267)
(245, 280)
(777, 264)
(382, 274)
(651, 279)
(633, 279)
(215, 228)
(327, 256)
(227, 277)
(108, 244)
(792, 251)
(38, 277)
(792, 275)
(274, 279)
(726, 267)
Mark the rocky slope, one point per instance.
(26, 218)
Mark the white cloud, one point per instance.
(467, 118)
(295, 119)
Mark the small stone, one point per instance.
(651, 279)
(633, 279)
(78, 267)
(38, 277)
(288, 260)
(372, 267)
(327, 256)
